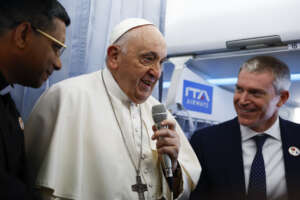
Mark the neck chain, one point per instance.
(138, 167)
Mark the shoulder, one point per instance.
(216, 130)
(285, 124)
(82, 81)
(70, 92)
(215, 135)
(75, 86)
(211, 142)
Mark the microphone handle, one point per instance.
(166, 160)
(167, 165)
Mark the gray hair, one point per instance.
(122, 42)
(280, 71)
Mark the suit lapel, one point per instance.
(290, 138)
(235, 161)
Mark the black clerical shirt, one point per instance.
(13, 170)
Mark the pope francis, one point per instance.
(92, 137)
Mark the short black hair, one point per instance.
(40, 13)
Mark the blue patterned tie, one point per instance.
(257, 180)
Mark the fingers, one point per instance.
(171, 124)
(162, 133)
(171, 151)
(168, 141)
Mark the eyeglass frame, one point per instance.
(63, 46)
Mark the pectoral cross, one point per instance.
(140, 188)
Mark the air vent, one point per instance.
(254, 43)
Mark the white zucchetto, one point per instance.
(125, 26)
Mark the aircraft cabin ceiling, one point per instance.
(221, 35)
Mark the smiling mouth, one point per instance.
(246, 111)
(148, 83)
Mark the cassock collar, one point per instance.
(3, 82)
(113, 87)
(273, 131)
(4, 86)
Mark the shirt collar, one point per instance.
(273, 131)
(113, 87)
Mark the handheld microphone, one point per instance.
(159, 114)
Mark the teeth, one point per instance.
(147, 82)
(246, 110)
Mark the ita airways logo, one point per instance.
(197, 97)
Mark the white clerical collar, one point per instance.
(113, 87)
(273, 131)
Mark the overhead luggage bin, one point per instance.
(203, 27)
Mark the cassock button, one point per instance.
(294, 151)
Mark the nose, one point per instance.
(156, 70)
(243, 98)
(57, 63)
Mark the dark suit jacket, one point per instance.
(219, 151)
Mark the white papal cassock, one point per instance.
(76, 147)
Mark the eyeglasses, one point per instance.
(59, 47)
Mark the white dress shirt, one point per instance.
(273, 158)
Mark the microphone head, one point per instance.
(159, 113)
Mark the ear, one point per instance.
(284, 96)
(113, 53)
(22, 34)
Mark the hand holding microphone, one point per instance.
(168, 142)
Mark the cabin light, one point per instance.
(223, 81)
(295, 77)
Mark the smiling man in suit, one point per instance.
(255, 155)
